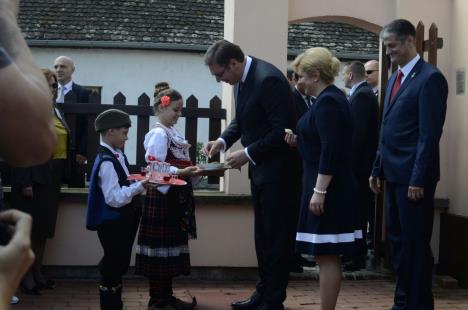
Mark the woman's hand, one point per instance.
(290, 139)
(190, 171)
(16, 256)
(317, 204)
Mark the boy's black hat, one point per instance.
(112, 118)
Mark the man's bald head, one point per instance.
(372, 72)
(64, 68)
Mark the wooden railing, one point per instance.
(143, 110)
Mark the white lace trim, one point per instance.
(162, 252)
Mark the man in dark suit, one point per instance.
(372, 75)
(70, 92)
(264, 109)
(302, 102)
(408, 159)
(365, 115)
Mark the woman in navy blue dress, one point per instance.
(328, 225)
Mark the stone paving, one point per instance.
(217, 295)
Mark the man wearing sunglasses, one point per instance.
(372, 75)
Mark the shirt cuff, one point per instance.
(173, 170)
(139, 188)
(224, 144)
(248, 156)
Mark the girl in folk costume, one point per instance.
(168, 217)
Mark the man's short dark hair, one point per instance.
(290, 74)
(221, 52)
(356, 68)
(400, 28)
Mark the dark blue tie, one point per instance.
(307, 101)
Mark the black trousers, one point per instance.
(272, 239)
(117, 243)
(366, 207)
(409, 226)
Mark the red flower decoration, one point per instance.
(165, 101)
(151, 158)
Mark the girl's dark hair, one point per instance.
(162, 89)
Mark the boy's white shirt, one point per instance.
(115, 195)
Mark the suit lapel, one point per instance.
(408, 80)
(61, 117)
(247, 88)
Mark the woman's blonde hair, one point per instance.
(320, 59)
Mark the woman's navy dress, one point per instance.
(324, 143)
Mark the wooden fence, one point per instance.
(144, 111)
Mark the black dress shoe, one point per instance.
(30, 290)
(356, 264)
(47, 285)
(307, 262)
(265, 306)
(250, 303)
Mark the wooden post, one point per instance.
(119, 99)
(432, 50)
(191, 128)
(420, 39)
(142, 129)
(214, 133)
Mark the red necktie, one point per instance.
(396, 85)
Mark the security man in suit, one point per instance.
(365, 116)
(408, 159)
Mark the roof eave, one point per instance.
(193, 48)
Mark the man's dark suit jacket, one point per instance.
(24, 177)
(299, 103)
(264, 108)
(79, 94)
(408, 151)
(365, 115)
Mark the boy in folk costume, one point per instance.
(168, 217)
(114, 208)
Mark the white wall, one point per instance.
(266, 40)
(225, 238)
(456, 124)
(134, 72)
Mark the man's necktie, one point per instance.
(307, 101)
(61, 94)
(396, 85)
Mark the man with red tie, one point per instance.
(408, 159)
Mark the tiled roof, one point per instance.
(174, 22)
(338, 37)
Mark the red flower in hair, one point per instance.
(165, 101)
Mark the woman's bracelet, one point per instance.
(319, 191)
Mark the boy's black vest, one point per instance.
(99, 214)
